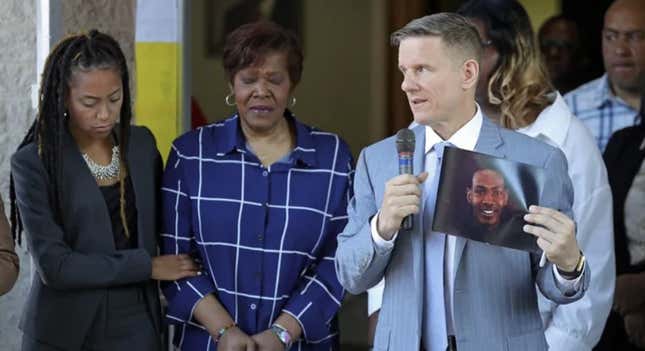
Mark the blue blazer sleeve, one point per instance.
(562, 200)
(359, 266)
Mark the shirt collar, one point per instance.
(552, 123)
(465, 138)
(232, 139)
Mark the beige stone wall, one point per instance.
(17, 74)
(115, 17)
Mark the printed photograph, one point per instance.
(484, 198)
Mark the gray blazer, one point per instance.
(495, 303)
(76, 261)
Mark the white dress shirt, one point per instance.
(579, 325)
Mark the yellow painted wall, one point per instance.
(540, 10)
(157, 103)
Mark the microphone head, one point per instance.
(405, 140)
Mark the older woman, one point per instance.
(259, 198)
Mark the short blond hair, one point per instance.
(455, 31)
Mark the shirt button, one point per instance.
(253, 306)
(260, 237)
(265, 173)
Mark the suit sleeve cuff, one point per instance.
(139, 258)
(567, 286)
(382, 246)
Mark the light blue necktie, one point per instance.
(434, 315)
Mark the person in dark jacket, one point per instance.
(85, 187)
(624, 157)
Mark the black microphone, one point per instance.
(405, 148)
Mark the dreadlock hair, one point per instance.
(76, 53)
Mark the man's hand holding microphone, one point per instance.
(402, 195)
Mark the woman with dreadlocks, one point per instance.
(84, 186)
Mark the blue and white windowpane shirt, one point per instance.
(266, 236)
(600, 110)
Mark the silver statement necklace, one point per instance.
(104, 172)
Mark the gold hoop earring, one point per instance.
(292, 103)
(227, 100)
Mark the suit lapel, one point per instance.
(81, 183)
(419, 148)
(409, 250)
(489, 142)
(138, 176)
(135, 178)
(417, 234)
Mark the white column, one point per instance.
(49, 30)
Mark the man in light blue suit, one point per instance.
(445, 292)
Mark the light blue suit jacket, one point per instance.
(494, 299)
